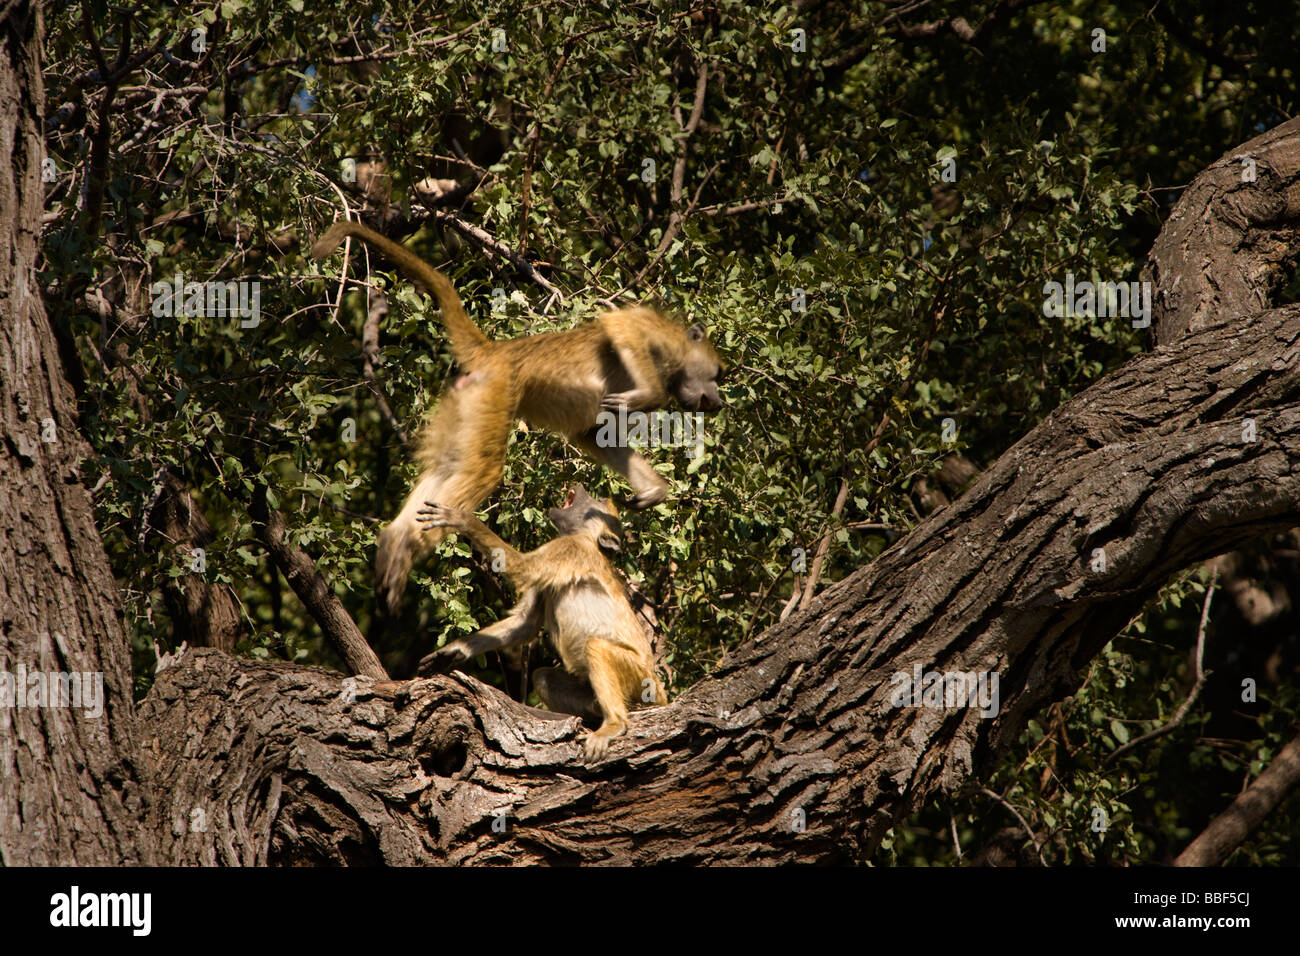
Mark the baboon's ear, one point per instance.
(697, 333)
(608, 541)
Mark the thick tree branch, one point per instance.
(1230, 243)
(1225, 832)
(314, 591)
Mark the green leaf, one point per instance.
(1120, 731)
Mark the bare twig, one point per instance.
(762, 599)
(824, 544)
(1183, 709)
(532, 138)
(959, 26)
(724, 210)
(159, 484)
(370, 361)
(494, 245)
(1038, 847)
(678, 216)
(793, 603)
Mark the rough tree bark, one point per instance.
(244, 762)
(68, 781)
(1232, 239)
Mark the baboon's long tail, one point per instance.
(466, 338)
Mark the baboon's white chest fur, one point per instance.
(578, 613)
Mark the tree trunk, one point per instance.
(1225, 832)
(68, 784)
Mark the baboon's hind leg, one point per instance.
(564, 693)
(462, 456)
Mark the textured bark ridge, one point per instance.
(1233, 237)
(1151, 466)
(68, 790)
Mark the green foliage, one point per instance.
(921, 301)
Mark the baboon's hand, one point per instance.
(645, 499)
(443, 659)
(434, 515)
(637, 398)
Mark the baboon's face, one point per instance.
(696, 388)
(583, 514)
